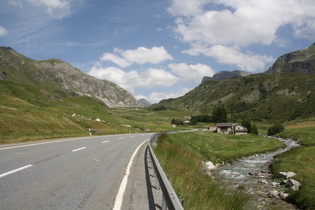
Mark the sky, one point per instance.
(158, 49)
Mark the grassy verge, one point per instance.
(300, 160)
(181, 155)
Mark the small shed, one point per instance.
(224, 127)
(240, 130)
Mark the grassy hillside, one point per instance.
(265, 98)
(28, 113)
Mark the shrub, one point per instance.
(273, 130)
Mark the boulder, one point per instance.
(290, 174)
(282, 175)
(293, 184)
(210, 166)
(263, 181)
(273, 193)
(283, 195)
(284, 182)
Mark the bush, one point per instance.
(176, 121)
(273, 130)
(159, 108)
(255, 130)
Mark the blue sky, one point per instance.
(158, 49)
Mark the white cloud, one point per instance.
(141, 55)
(132, 79)
(191, 72)
(55, 8)
(226, 29)
(115, 59)
(156, 97)
(3, 31)
(233, 56)
(144, 55)
(157, 77)
(248, 21)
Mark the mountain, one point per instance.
(265, 97)
(145, 102)
(300, 61)
(60, 77)
(222, 75)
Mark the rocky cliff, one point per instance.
(300, 61)
(222, 75)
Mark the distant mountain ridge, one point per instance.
(222, 75)
(145, 102)
(60, 77)
(300, 61)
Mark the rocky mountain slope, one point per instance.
(145, 102)
(61, 78)
(259, 97)
(300, 61)
(222, 75)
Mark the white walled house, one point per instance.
(240, 130)
(224, 128)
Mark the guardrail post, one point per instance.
(163, 203)
(182, 201)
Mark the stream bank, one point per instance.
(253, 174)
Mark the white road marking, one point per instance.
(45, 142)
(104, 142)
(75, 150)
(121, 138)
(14, 171)
(123, 185)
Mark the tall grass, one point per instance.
(182, 154)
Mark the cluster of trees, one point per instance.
(250, 128)
(159, 108)
(275, 129)
(218, 115)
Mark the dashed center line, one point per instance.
(75, 150)
(121, 138)
(15, 170)
(105, 142)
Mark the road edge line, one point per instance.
(123, 185)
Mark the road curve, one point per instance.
(75, 173)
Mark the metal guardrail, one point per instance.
(170, 198)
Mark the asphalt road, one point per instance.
(76, 173)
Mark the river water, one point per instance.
(253, 174)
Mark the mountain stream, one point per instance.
(253, 173)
